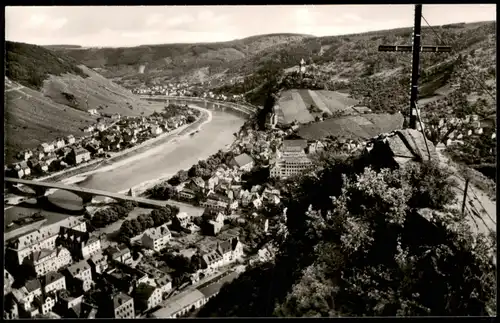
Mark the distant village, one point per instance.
(185, 90)
(105, 137)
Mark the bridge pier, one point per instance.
(39, 191)
(86, 198)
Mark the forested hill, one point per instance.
(342, 58)
(368, 251)
(185, 61)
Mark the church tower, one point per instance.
(302, 67)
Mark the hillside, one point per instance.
(54, 101)
(338, 59)
(184, 61)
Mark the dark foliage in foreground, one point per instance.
(367, 252)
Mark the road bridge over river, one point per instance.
(246, 109)
(86, 194)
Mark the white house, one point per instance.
(47, 147)
(82, 271)
(156, 238)
(60, 143)
(53, 281)
(155, 129)
(70, 140)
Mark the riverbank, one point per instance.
(146, 149)
(120, 158)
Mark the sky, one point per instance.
(122, 26)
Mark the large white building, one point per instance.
(123, 306)
(287, 166)
(43, 261)
(147, 296)
(25, 296)
(43, 238)
(225, 253)
(79, 243)
(292, 160)
(82, 271)
(156, 238)
(46, 260)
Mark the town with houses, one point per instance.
(171, 244)
(170, 267)
(60, 269)
(186, 90)
(109, 135)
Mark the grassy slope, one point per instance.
(36, 114)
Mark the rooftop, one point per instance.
(182, 215)
(74, 235)
(52, 277)
(120, 299)
(214, 288)
(198, 181)
(80, 150)
(32, 285)
(144, 291)
(211, 257)
(243, 159)
(295, 159)
(158, 232)
(178, 302)
(78, 267)
(294, 144)
(224, 247)
(40, 255)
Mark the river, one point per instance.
(162, 160)
(168, 158)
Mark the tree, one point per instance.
(126, 231)
(194, 171)
(136, 226)
(431, 185)
(368, 251)
(183, 176)
(174, 180)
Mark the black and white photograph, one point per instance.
(250, 161)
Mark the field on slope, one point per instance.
(47, 106)
(357, 127)
(294, 104)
